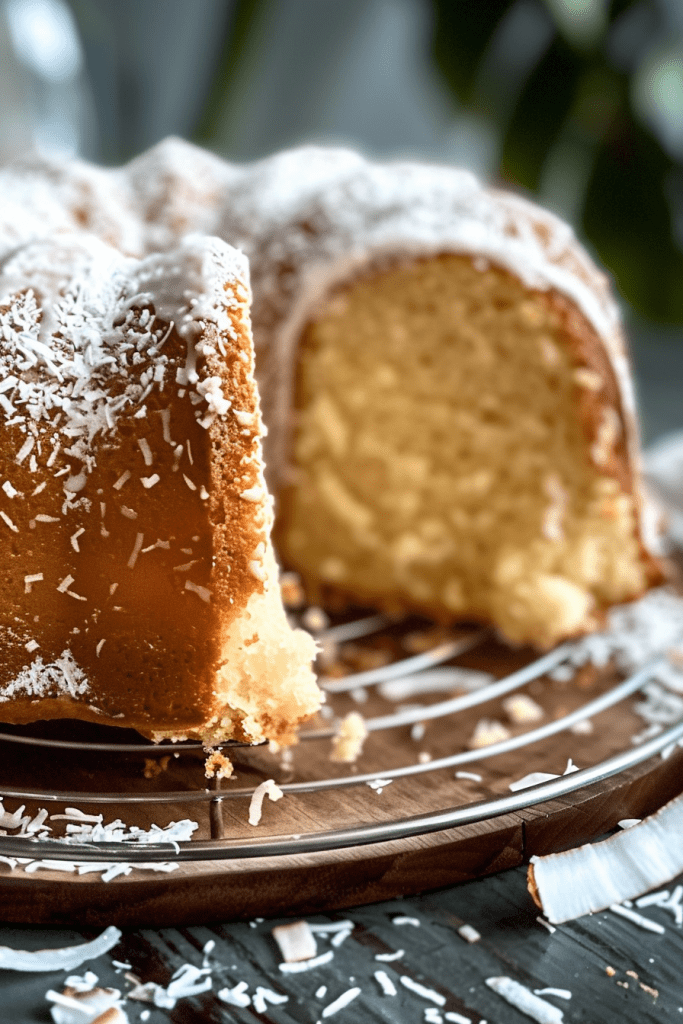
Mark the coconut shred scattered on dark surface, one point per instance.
(598, 969)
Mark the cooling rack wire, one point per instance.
(431, 667)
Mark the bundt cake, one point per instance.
(138, 585)
(444, 376)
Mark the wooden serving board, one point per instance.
(204, 891)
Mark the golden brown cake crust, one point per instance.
(135, 520)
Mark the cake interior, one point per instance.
(458, 445)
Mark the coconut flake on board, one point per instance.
(89, 828)
(267, 788)
(598, 876)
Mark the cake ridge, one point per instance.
(138, 584)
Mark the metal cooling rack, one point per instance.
(436, 660)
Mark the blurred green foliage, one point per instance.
(563, 98)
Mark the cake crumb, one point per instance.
(315, 620)
(292, 591)
(218, 766)
(487, 732)
(154, 766)
(522, 709)
(347, 744)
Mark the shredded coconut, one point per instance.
(344, 999)
(422, 990)
(64, 959)
(385, 983)
(269, 788)
(296, 941)
(525, 1000)
(468, 933)
(307, 965)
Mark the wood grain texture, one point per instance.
(322, 882)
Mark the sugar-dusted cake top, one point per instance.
(75, 335)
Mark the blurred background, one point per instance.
(577, 103)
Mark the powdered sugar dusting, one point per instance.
(75, 319)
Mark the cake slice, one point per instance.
(138, 585)
(443, 369)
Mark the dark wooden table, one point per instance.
(575, 957)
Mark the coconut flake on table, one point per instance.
(468, 933)
(532, 779)
(388, 958)
(307, 965)
(661, 706)
(151, 992)
(672, 903)
(601, 875)
(85, 982)
(329, 927)
(236, 996)
(385, 983)
(524, 999)
(189, 980)
(98, 1004)
(340, 937)
(296, 941)
(263, 996)
(341, 1002)
(623, 910)
(653, 899)
(64, 959)
(422, 990)
(433, 1016)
